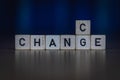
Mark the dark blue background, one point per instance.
(58, 17)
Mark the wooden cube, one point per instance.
(67, 41)
(52, 41)
(37, 41)
(83, 27)
(82, 42)
(98, 42)
(22, 41)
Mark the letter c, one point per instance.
(20, 42)
(81, 28)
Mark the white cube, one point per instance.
(98, 42)
(83, 27)
(37, 41)
(67, 41)
(82, 42)
(52, 41)
(22, 41)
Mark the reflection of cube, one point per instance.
(22, 41)
(82, 42)
(52, 41)
(83, 27)
(37, 42)
(67, 41)
(98, 42)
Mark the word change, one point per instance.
(82, 39)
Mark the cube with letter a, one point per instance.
(22, 41)
(83, 27)
(52, 41)
(98, 42)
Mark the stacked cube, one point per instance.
(82, 39)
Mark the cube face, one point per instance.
(67, 42)
(52, 42)
(37, 41)
(83, 27)
(22, 41)
(98, 42)
(82, 42)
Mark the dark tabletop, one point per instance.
(59, 65)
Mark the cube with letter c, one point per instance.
(22, 41)
(83, 27)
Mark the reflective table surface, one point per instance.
(59, 64)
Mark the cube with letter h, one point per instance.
(37, 41)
